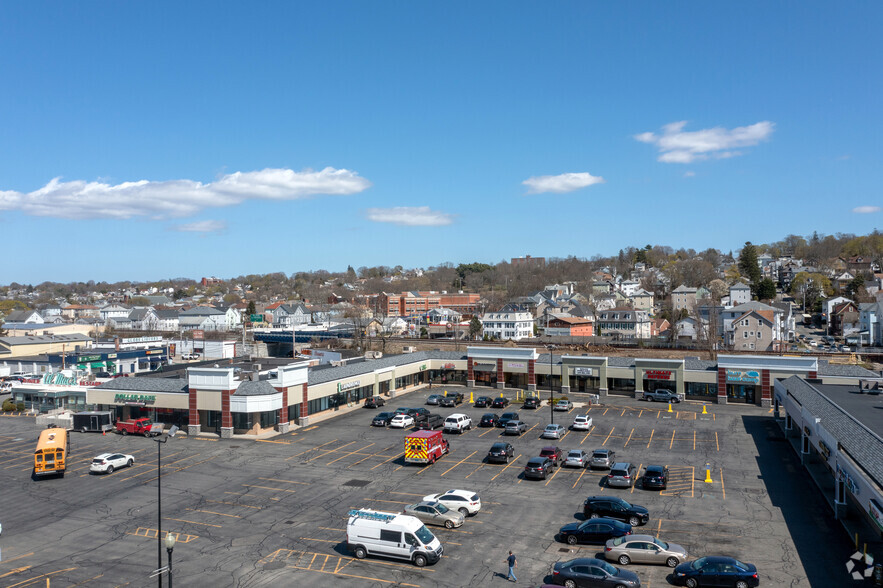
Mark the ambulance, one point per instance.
(424, 447)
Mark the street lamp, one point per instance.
(163, 438)
(170, 545)
(551, 393)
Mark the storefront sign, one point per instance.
(582, 371)
(136, 398)
(876, 513)
(141, 340)
(153, 351)
(657, 374)
(516, 365)
(807, 431)
(111, 356)
(88, 358)
(824, 450)
(423, 368)
(198, 334)
(58, 379)
(448, 366)
(747, 377)
(348, 386)
(848, 480)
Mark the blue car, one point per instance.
(716, 571)
(592, 573)
(595, 531)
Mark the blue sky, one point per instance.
(149, 141)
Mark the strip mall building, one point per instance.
(215, 400)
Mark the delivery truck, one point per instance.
(142, 426)
(97, 421)
(425, 447)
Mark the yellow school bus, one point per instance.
(50, 456)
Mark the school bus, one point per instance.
(50, 456)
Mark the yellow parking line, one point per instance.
(459, 462)
(638, 473)
(558, 469)
(349, 453)
(587, 435)
(692, 480)
(565, 435)
(722, 484)
(694, 440)
(486, 432)
(605, 412)
(716, 442)
(327, 451)
(403, 494)
(215, 513)
(269, 488)
(630, 438)
(583, 473)
(504, 469)
(608, 436)
(530, 429)
(192, 522)
(623, 412)
(308, 450)
(234, 504)
(475, 470)
(388, 460)
(672, 439)
(31, 580)
(284, 481)
(370, 579)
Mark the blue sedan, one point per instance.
(716, 571)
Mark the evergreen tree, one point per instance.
(748, 266)
(766, 289)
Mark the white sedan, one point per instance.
(465, 501)
(106, 463)
(582, 422)
(400, 421)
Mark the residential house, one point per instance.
(443, 315)
(50, 311)
(30, 317)
(75, 311)
(167, 320)
(642, 300)
(144, 319)
(728, 316)
(740, 293)
(605, 302)
(659, 327)
(788, 318)
(114, 311)
(683, 298)
(870, 317)
(602, 287)
(629, 287)
(624, 323)
(286, 315)
(507, 325)
(206, 318)
(689, 329)
(859, 265)
(394, 325)
(842, 280)
(753, 331)
(829, 304)
(569, 326)
(845, 319)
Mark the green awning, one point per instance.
(97, 364)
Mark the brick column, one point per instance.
(721, 385)
(305, 407)
(813, 375)
(193, 426)
(283, 425)
(765, 396)
(470, 374)
(226, 415)
(531, 375)
(501, 375)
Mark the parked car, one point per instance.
(458, 422)
(644, 549)
(430, 423)
(593, 573)
(449, 401)
(374, 402)
(506, 417)
(582, 422)
(613, 507)
(464, 501)
(554, 453)
(655, 476)
(715, 571)
(418, 414)
(661, 395)
(564, 405)
(531, 402)
(434, 399)
(482, 402)
(400, 421)
(554, 431)
(603, 458)
(593, 531)
(501, 402)
(381, 419)
(500, 453)
(489, 419)
(402, 410)
(538, 467)
(436, 513)
(515, 427)
(106, 463)
(577, 458)
(622, 475)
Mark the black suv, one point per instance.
(506, 417)
(451, 400)
(374, 402)
(482, 402)
(489, 420)
(381, 419)
(615, 508)
(419, 414)
(531, 402)
(500, 452)
(501, 402)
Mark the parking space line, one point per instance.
(325, 452)
(583, 473)
(387, 501)
(308, 450)
(565, 435)
(672, 438)
(149, 480)
(388, 460)
(722, 484)
(235, 504)
(558, 469)
(605, 412)
(6, 561)
(630, 438)
(475, 470)
(284, 481)
(716, 442)
(694, 440)
(608, 436)
(87, 581)
(587, 435)
(637, 473)
(41, 576)
(404, 494)
(506, 467)
(349, 453)
(269, 488)
(459, 462)
(214, 513)
(530, 429)
(361, 577)
(486, 432)
(192, 522)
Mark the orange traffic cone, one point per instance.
(104, 432)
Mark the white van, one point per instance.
(371, 532)
(458, 422)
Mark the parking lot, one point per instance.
(273, 512)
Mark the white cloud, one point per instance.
(678, 146)
(206, 226)
(410, 216)
(866, 209)
(561, 183)
(689, 174)
(79, 199)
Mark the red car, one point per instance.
(553, 453)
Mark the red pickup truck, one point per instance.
(142, 426)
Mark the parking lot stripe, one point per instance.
(32, 580)
(308, 450)
(362, 577)
(565, 435)
(459, 462)
(406, 494)
(694, 440)
(530, 429)
(587, 435)
(6, 561)
(558, 469)
(716, 442)
(630, 438)
(504, 469)
(192, 522)
(605, 412)
(215, 513)
(583, 473)
(608, 436)
(475, 470)
(284, 481)
(235, 504)
(388, 460)
(269, 488)
(324, 452)
(651, 438)
(16, 571)
(486, 432)
(672, 438)
(722, 484)
(349, 453)
(387, 501)
(86, 581)
(638, 473)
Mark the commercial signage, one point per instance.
(516, 365)
(657, 374)
(134, 398)
(153, 351)
(448, 366)
(141, 340)
(824, 450)
(876, 512)
(848, 480)
(58, 379)
(348, 386)
(111, 356)
(747, 377)
(88, 358)
(256, 318)
(423, 368)
(198, 334)
(582, 371)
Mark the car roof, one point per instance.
(583, 561)
(103, 455)
(600, 451)
(537, 459)
(456, 415)
(621, 465)
(575, 451)
(499, 444)
(466, 493)
(654, 468)
(553, 426)
(649, 538)
(550, 448)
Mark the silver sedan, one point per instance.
(435, 513)
(577, 458)
(644, 549)
(553, 432)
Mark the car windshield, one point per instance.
(740, 565)
(536, 461)
(574, 454)
(425, 536)
(551, 427)
(441, 508)
(699, 563)
(620, 540)
(488, 416)
(599, 454)
(607, 568)
(498, 447)
(510, 415)
(661, 543)
(384, 415)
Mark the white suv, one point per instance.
(582, 422)
(106, 463)
(465, 501)
(458, 422)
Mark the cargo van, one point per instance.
(371, 532)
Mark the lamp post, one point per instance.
(551, 393)
(170, 545)
(163, 438)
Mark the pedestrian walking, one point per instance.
(513, 563)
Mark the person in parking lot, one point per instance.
(513, 563)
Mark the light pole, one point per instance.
(551, 393)
(170, 545)
(163, 438)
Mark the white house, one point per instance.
(629, 287)
(144, 319)
(25, 316)
(286, 315)
(740, 293)
(507, 325)
(683, 297)
(167, 320)
(114, 311)
(206, 318)
(624, 322)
